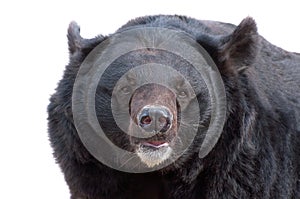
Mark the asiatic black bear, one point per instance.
(257, 154)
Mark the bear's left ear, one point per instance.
(238, 50)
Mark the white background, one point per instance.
(33, 53)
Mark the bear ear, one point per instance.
(79, 44)
(238, 50)
(74, 38)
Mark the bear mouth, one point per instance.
(155, 144)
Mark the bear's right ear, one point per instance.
(74, 38)
(79, 44)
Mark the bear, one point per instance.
(258, 152)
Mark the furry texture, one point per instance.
(258, 153)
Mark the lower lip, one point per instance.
(165, 144)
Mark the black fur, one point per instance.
(258, 154)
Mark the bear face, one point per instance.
(177, 96)
(228, 53)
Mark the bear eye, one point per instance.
(125, 90)
(182, 94)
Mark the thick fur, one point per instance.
(258, 153)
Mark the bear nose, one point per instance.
(155, 119)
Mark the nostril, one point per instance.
(163, 121)
(145, 120)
